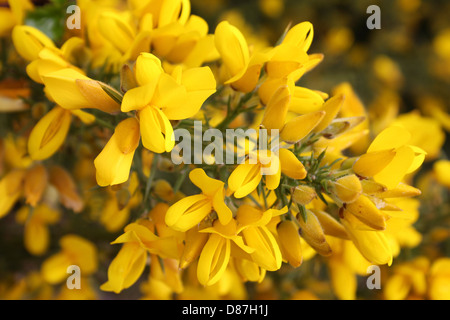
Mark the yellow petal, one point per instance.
(276, 109)
(299, 127)
(126, 268)
(156, 130)
(114, 162)
(233, 50)
(390, 138)
(290, 244)
(369, 164)
(73, 90)
(331, 108)
(213, 260)
(54, 269)
(392, 174)
(148, 69)
(330, 225)
(29, 41)
(119, 33)
(312, 232)
(244, 179)
(305, 100)
(267, 253)
(343, 280)
(366, 211)
(373, 245)
(49, 134)
(301, 35)
(10, 190)
(208, 185)
(291, 165)
(188, 212)
(347, 188)
(36, 237)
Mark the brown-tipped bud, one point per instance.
(311, 230)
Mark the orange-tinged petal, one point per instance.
(68, 194)
(34, 185)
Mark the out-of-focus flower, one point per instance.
(75, 250)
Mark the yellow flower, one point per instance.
(408, 279)
(188, 212)
(389, 157)
(126, 268)
(75, 250)
(242, 69)
(426, 133)
(441, 170)
(114, 162)
(13, 15)
(440, 279)
(36, 233)
(161, 97)
(246, 177)
(10, 190)
(138, 241)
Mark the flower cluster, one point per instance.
(96, 133)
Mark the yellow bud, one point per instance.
(312, 231)
(194, 243)
(290, 243)
(347, 188)
(303, 195)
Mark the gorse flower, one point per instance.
(318, 179)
